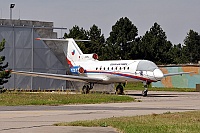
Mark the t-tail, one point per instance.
(74, 55)
(72, 52)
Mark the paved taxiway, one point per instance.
(32, 119)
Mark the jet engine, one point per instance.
(93, 56)
(77, 70)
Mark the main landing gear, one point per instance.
(120, 89)
(145, 91)
(86, 88)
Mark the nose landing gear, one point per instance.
(145, 91)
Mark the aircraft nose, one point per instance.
(158, 74)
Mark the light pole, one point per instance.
(11, 7)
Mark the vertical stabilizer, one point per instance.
(72, 52)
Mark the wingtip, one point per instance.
(37, 38)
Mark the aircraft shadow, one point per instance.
(156, 95)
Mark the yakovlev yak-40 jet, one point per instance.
(86, 68)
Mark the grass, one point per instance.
(23, 98)
(187, 122)
(139, 86)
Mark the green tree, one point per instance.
(94, 34)
(178, 55)
(192, 46)
(154, 45)
(97, 43)
(118, 46)
(4, 75)
(78, 33)
(135, 52)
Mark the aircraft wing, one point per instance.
(58, 76)
(180, 73)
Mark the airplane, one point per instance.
(88, 69)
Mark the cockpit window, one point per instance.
(146, 65)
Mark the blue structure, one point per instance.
(184, 81)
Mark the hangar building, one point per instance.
(24, 53)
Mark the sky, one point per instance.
(176, 17)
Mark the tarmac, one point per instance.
(40, 119)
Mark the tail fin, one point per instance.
(71, 50)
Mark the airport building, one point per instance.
(24, 53)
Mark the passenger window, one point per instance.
(124, 68)
(128, 68)
(112, 68)
(96, 68)
(104, 68)
(108, 68)
(100, 68)
(120, 68)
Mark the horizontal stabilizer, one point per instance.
(67, 39)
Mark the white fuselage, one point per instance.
(121, 70)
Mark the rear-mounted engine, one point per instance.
(77, 70)
(89, 57)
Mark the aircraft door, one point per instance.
(141, 73)
(147, 74)
(150, 74)
(144, 73)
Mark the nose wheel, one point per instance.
(145, 91)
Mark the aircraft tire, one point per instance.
(85, 89)
(120, 89)
(144, 93)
